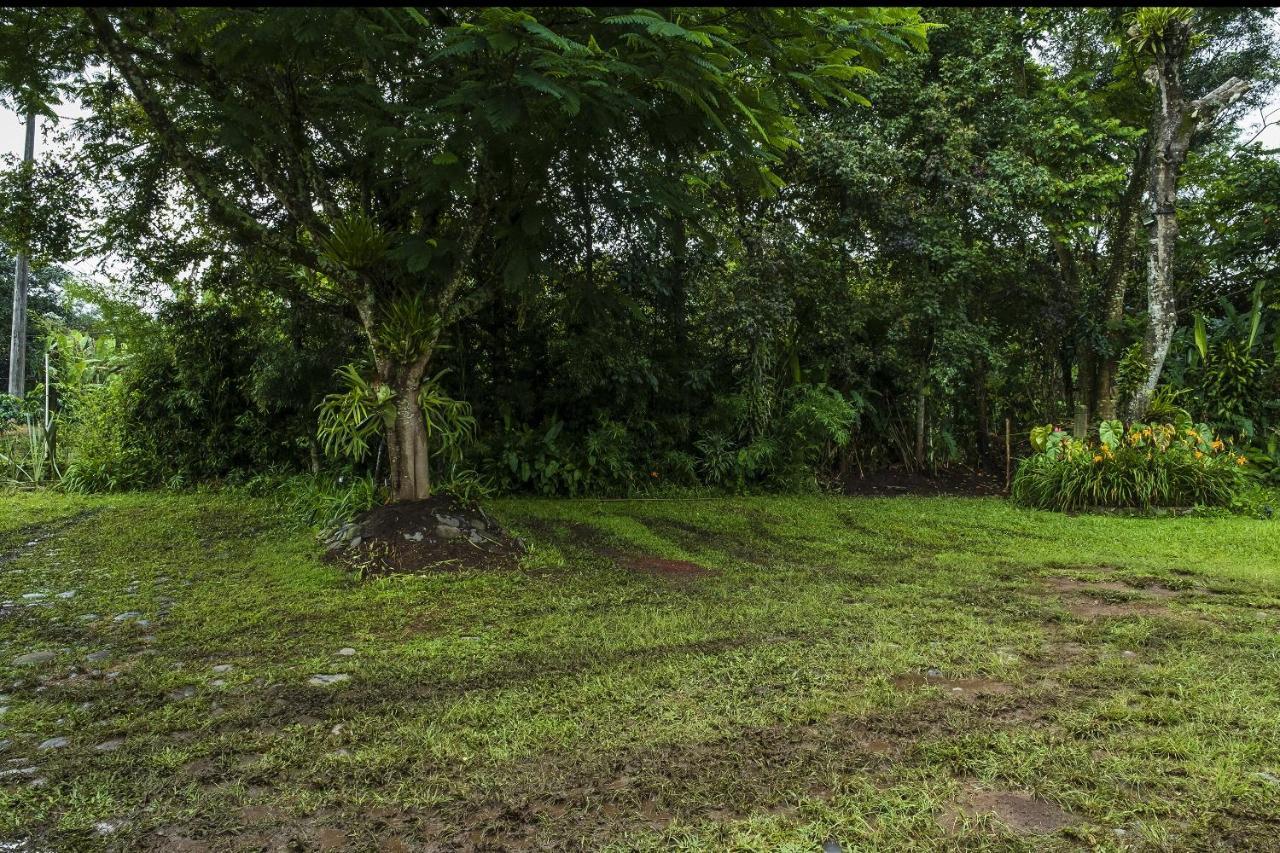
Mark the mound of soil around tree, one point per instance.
(431, 535)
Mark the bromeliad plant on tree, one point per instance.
(1148, 465)
(349, 420)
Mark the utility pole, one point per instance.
(18, 341)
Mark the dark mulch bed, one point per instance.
(436, 534)
(962, 482)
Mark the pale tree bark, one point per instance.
(1174, 120)
(21, 277)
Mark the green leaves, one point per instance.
(1040, 437)
(355, 242)
(1201, 337)
(1111, 433)
(349, 419)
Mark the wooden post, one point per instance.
(1008, 453)
(50, 409)
(1080, 428)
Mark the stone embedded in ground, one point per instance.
(445, 531)
(90, 617)
(832, 846)
(54, 743)
(106, 827)
(223, 667)
(109, 745)
(346, 651)
(34, 658)
(17, 771)
(448, 520)
(182, 693)
(128, 614)
(325, 680)
(71, 593)
(33, 596)
(355, 542)
(416, 536)
(217, 682)
(94, 657)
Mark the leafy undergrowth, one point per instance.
(754, 674)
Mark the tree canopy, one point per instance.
(697, 245)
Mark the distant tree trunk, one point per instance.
(1068, 348)
(22, 271)
(1172, 124)
(984, 419)
(921, 400)
(1115, 284)
(679, 298)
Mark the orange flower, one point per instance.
(1240, 460)
(1217, 444)
(653, 473)
(1199, 455)
(1097, 458)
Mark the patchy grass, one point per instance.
(754, 674)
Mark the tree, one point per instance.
(21, 279)
(1165, 35)
(376, 151)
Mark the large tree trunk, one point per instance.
(1173, 122)
(407, 444)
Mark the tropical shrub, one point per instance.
(1145, 466)
(11, 411)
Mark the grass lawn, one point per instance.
(749, 674)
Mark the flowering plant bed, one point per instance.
(1144, 466)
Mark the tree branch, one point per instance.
(1205, 108)
(221, 209)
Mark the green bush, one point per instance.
(11, 411)
(106, 451)
(1147, 466)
